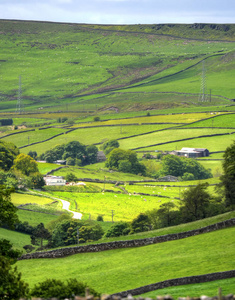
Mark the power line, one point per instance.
(203, 90)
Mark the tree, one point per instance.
(228, 179)
(37, 180)
(11, 284)
(108, 146)
(178, 166)
(125, 160)
(120, 228)
(39, 234)
(195, 202)
(92, 151)
(8, 214)
(54, 288)
(8, 152)
(70, 177)
(33, 154)
(140, 223)
(26, 164)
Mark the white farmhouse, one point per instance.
(54, 180)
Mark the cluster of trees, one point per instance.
(108, 146)
(73, 152)
(125, 161)
(18, 169)
(186, 168)
(67, 232)
(5, 122)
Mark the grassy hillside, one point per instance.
(83, 67)
(117, 270)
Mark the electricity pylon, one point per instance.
(203, 90)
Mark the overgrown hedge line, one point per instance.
(128, 243)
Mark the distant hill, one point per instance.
(101, 66)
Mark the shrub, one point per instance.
(100, 219)
(121, 228)
(54, 288)
(96, 119)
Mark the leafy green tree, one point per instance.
(108, 146)
(96, 119)
(65, 233)
(140, 223)
(118, 229)
(125, 166)
(178, 166)
(70, 177)
(54, 288)
(26, 164)
(92, 151)
(40, 233)
(188, 176)
(49, 156)
(8, 179)
(165, 214)
(195, 202)
(70, 161)
(33, 154)
(8, 152)
(8, 214)
(228, 179)
(37, 180)
(11, 284)
(118, 158)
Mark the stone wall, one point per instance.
(128, 243)
(176, 282)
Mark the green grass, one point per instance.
(126, 207)
(19, 199)
(35, 218)
(117, 270)
(16, 238)
(209, 289)
(72, 61)
(216, 120)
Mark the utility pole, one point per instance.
(112, 214)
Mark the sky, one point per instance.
(120, 11)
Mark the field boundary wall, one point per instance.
(62, 252)
(177, 282)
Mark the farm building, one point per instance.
(54, 180)
(192, 152)
(101, 156)
(168, 178)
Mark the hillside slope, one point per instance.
(79, 64)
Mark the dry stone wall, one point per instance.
(127, 244)
(176, 282)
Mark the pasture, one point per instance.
(116, 270)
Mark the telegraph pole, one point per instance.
(112, 214)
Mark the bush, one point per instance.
(54, 288)
(121, 228)
(140, 223)
(96, 119)
(100, 219)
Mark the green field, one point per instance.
(117, 270)
(81, 68)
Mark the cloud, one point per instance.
(120, 11)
